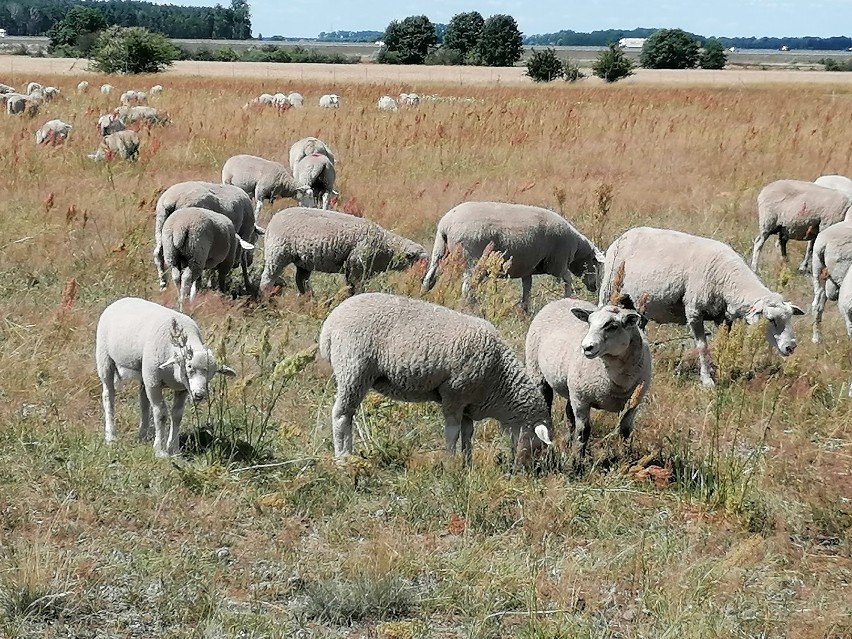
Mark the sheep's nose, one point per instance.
(198, 396)
(790, 348)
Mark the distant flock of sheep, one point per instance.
(595, 356)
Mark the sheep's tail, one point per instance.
(174, 245)
(439, 250)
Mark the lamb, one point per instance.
(593, 357)
(387, 103)
(123, 145)
(160, 348)
(331, 242)
(330, 101)
(686, 279)
(296, 99)
(156, 89)
(53, 131)
(317, 172)
(110, 123)
(411, 350)
(796, 210)
(533, 241)
(307, 146)
(228, 200)
(264, 180)
(831, 260)
(838, 182)
(82, 87)
(106, 89)
(195, 239)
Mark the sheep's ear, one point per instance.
(227, 371)
(259, 230)
(333, 192)
(754, 314)
(796, 310)
(631, 319)
(243, 244)
(581, 314)
(168, 364)
(543, 435)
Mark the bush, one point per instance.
(613, 64)
(226, 54)
(76, 33)
(544, 66)
(669, 49)
(831, 64)
(713, 55)
(386, 56)
(571, 71)
(132, 50)
(445, 56)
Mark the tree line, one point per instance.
(36, 17)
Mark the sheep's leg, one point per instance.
(582, 414)
(160, 263)
(467, 439)
(759, 241)
(345, 404)
(326, 198)
(526, 288)
(222, 280)
(782, 244)
(625, 426)
(160, 413)
(805, 266)
(178, 407)
(303, 280)
(244, 269)
(817, 308)
(108, 398)
(452, 429)
(696, 327)
(144, 414)
(466, 292)
(547, 391)
(568, 286)
(570, 419)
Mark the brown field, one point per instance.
(728, 514)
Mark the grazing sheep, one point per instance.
(195, 239)
(317, 172)
(411, 350)
(264, 99)
(5, 88)
(228, 200)
(296, 99)
(263, 180)
(331, 101)
(123, 145)
(83, 87)
(17, 104)
(796, 210)
(148, 116)
(160, 348)
(593, 357)
(409, 99)
(686, 279)
(53, 131)
(131, 97)
(281, 101)
(34, 87)
(838, 182)
(331, 242)
(156, 89)
(387, 103)
(106, 89)
(50, 93)
(831, 260)
(533, 241)
(307, 146)
(110, 123)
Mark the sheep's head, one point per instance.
(532, 442)
(194, 369)
(590, 270)
(610, 331)
(779, 329)
(305, 197)
(407, 253)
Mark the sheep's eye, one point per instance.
(610, 326)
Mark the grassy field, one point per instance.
(728, 515)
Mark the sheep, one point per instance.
(263, 180)
(264, 99)
(50, 93)
(330, 101)
(533, 240)
(144, 114)
(228, 200)
(110, 123)
(838, 182)
(106, 89)
(415, 351)
(796, 210)
(123, 145)
(306, 146)
(687, 279)
(831, 260)
(281, 101)
(5, 88)
(134, 98)
(156, 89)
(387, 103)
(317, 172)
(409, 99)
(161, 348)
(593, 357)
(296, 99)
(82, 87)
(53, 131)
(18, 104)
(195, 239)
(331, 242)
(34, 87)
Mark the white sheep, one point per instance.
(796, 210)
(317, 172)
(839, 182)
(831, 260)
(533, 240)
(123, 145)
(263, 100)
(296, 99)
(148, 116)
(411, 350)
(330, 101)
(687, 279)
(34, 87)
(306, 146)
(281, 101)
(132, 97)
(387, 103)
(593, 357)
(50, 93)
(409, 99)
(156, 89)
(22, 104)
(160, 348)
(196, 239)
(110, 123)
(83, 86)
(53, 132)
(5, 88)
(226, 199)
(263, 180)
(106, 89)
(331, 242)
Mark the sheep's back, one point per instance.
(802, 208)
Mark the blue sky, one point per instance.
(306, 18)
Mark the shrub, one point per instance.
(831, 64)
(445, 56)
(613, 64)
(75, 34)
(571, 71)
(226, 54)
(713, 55)
(544, 66)
(669, 49)
(132, 50)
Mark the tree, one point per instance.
(242, 20)
(132, 50)
(669, 49)
(502, 43)
(544, 66)
(75, 33)
(408, 41)
(713, 55)
(613, 64)
(464, 32)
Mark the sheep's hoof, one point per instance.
(816, 338)
(707, 382)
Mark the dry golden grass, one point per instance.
(743, 532)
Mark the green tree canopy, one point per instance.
(713, 55)
(544, 66)
(409, 40)
(669, 49)
(75, 32)
(502, 43)
(613, 64)
(464, 32)
(132, 50)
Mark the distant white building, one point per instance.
(632, 43)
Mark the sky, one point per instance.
(307, 18)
